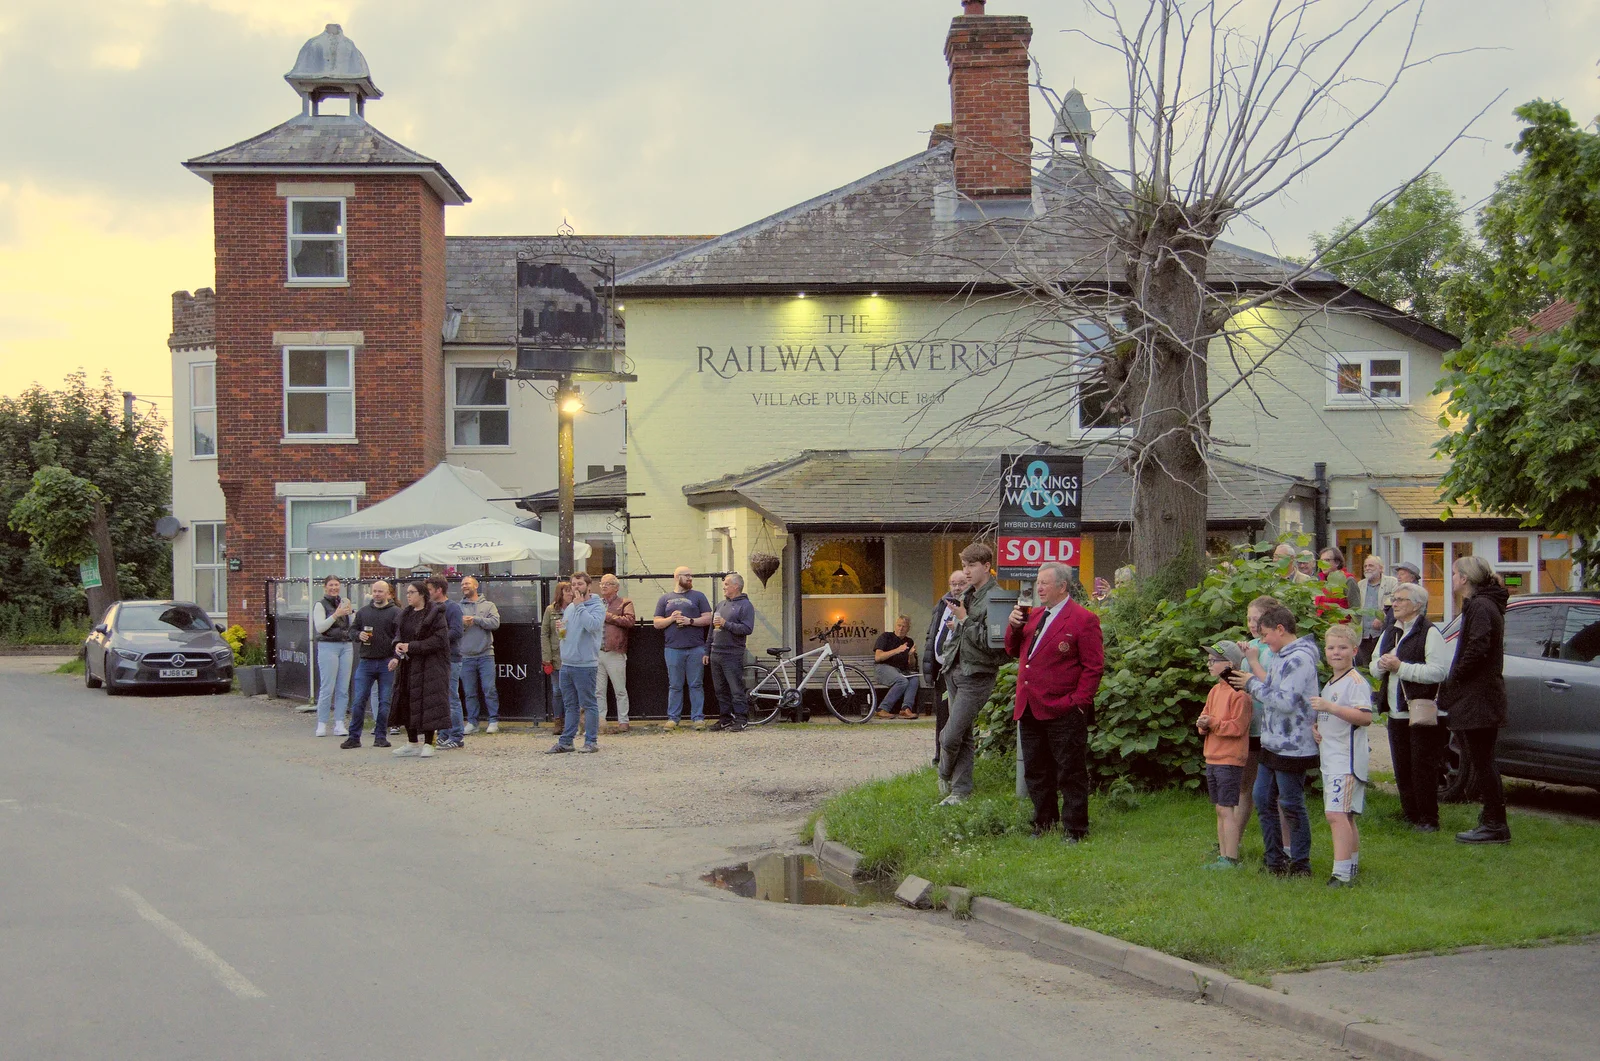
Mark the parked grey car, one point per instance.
(1552, 672)
(147, 644)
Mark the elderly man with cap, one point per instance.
(1406, 571)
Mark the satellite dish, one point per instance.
(168, 527)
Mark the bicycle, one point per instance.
(847, 689)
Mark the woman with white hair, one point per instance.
(1475, 692)
(1410, 661)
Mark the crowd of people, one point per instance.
(430, 667)
(1267, 722)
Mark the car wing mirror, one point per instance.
(101, 628)
(220, 628)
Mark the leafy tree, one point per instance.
(79, 428)
(1408, 253)
(58, 513)
(1527, 408)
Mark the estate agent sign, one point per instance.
(1041, 511)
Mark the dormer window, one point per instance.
(316, 241)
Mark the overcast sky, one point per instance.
(625, 116)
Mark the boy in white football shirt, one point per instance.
(1344, 711)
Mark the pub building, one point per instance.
(832, 385)
(853, 370)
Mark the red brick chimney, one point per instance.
(988, 57)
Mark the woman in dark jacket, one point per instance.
(1475, 692)
(421, 698)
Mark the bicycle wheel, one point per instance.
(849, 694)
(764, 689)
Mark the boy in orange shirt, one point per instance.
(1225, 724)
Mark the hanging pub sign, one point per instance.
(1041, 512)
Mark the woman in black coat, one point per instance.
(421, 698)
(1475, 692)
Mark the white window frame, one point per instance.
(219, 564)
(342, 238)
(196, 407)
(290, 552)
(1366, 399)
(450, 420)
(350, 354)
(1083, 352)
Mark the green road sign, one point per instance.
(89, 573)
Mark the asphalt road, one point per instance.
(169, 891)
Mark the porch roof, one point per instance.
(919, 490)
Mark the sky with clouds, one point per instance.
(624, 116)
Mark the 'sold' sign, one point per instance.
(1041, 510)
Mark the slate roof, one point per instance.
(898, 227)
(1419, 508)
(603, 491)
(481, 276)
(924, 490)
(307, 143)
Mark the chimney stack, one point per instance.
(988, 57)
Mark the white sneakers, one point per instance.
(493, 727)
(404, 750)
(322, 729)
(340, 729)
(426, 752)
(469, 728)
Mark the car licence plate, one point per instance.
(178, 672)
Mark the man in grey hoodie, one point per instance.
(580, 627)
(1288, 743)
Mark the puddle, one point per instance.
(800, 879)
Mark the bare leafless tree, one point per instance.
(1150, 319)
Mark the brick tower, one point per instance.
(330, 300)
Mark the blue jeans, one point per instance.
(334, 659)
(902, 692)
(577, 690)
(477, 679)
(727, 676)
(1285, 791)
(368, 673)
(683, 664)
(455, 732)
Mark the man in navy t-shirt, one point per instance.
(685, 615)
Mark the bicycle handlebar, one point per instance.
(824, 635)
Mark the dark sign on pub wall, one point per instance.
(1041, 513)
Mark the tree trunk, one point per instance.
(107, 593)
(1167, 259)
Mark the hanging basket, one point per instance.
(763, 564)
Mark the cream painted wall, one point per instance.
(1298, 426)
(706, 404)
(699, 412)
(196, 495)
(528, 464)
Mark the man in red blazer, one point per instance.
(1060, 656)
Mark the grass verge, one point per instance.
(71, 666)
(1139, 876)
